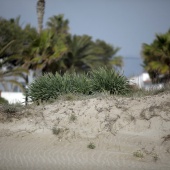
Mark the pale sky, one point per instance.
(122, 23)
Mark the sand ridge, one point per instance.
(128, 133)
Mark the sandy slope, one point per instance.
(122, 129)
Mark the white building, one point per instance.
(10, 87)
(12, 92)
(143, 81)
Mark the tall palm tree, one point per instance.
(157, 57)
(40, 13)
(109, 57)
(58, 24)
(45, 50)
(11, 30)
(10, 75)
(84, 55)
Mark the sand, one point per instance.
(128, 134)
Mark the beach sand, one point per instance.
(128, 134)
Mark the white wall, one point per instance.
(13, 97)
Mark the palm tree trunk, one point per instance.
(40, 14)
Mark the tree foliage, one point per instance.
(156, 57)
(11, 31)
(85, 54)
(54, 49)
(58, 24)
(8, 74)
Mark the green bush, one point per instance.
(77, 83)
(3, 101)
(91, 145)
(138, 154)
(46, 87)
(108, 80)
(56, 131)
(52, 86)
(12, 110)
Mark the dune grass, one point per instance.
(51, 86)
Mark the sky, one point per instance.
(122, 23)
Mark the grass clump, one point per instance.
(108, 80)
(52, 86)
(77, 83)
(10, 111)
(143, 92)
(46, 87)
(56, 131)
(73, 118)
(138, 154)
(68, 97)
(3, 101)
(12, 108)
(91, 145)
(155, 157)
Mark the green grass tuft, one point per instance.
(56, 131)
(3, 101)
(73, 118)
(108, 80)
(91, 145)
(52, 86)
(138, 154)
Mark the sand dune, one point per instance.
(128, 134)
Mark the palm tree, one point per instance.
(40, 14)
(110, 59)
(58, 24)
(14, 43)
(84, 55)
(10, 75)
(157, 57)
(45, 50)
(10, 30)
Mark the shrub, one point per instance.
(46, 87)
(73, 118)
(52, 86)
(91, 145)
(3, 101)
(138, 154)
(56, 131)
(68, 97)
(78, 83)
(105, 79)
(12, 110)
